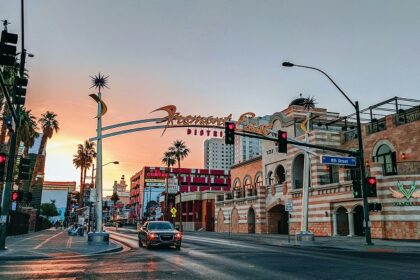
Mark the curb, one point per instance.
(118, 248)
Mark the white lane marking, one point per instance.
(68, 245)
(216, 241)
(46, 240)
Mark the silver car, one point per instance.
(155, 233)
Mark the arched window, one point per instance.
(258, 181)
(247, 183)
(280, 174)
(237, 184)
(270, 178)
(298, 171)
(387, 158)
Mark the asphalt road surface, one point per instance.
(215, 258)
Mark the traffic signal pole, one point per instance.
(4, 218)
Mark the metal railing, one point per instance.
(376, 126)
(407, 116)
(349, 135)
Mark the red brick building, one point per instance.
(392, 156)
(243, 209)
(150, 183)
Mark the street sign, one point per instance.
(288, 206)
(173, 211)
(336, 160)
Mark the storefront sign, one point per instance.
(154, 180)
(403, 192)
(155, 184)
(155, 174)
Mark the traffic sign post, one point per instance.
(288, 207)
(337, 160)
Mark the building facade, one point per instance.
(60, 193)
(217, 155)
(242, 210)
(246, 148)
(391, 155)
(148, 187)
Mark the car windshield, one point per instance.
(166, 226)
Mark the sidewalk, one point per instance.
(51, 243)
(356, 243)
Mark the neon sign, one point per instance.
(175, 119)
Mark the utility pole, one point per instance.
(4, 217)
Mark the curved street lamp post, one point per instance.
(360, 153)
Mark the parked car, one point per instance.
(159, 233)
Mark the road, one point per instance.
(215, 258)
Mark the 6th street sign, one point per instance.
(335, 160)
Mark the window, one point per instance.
(387, 158)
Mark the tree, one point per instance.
(49, 124)
(27, 129)
(180, 152)
(115, 198)
(49, 209)
(168, 160)
(309, 103)
(83, 159)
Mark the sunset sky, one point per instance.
(206, 57)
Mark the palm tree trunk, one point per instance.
(37, 160)
(166, 196)
(82, 187)
(180, 195)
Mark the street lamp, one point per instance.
(361, 157)
(92, 185)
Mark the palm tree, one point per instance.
(27, 130)
(180, 152)
(83, 159)
(168, 160)
(9, 74)
(309, 103)
(49, 124)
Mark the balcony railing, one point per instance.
(376, 126)
(407, 116)
(349, 135)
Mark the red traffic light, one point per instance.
(371, 180)
(231, 126)
(284, 135)
(3, 158)
(15, 196)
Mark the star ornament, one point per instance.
(99, 81)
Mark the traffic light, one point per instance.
(3, 159)
(229, 133)
(357, 189)
(7, 48)
(15, 196)
(371, 186)
(375, 206)
(20, 91)
(282, 141)
(24, 169)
